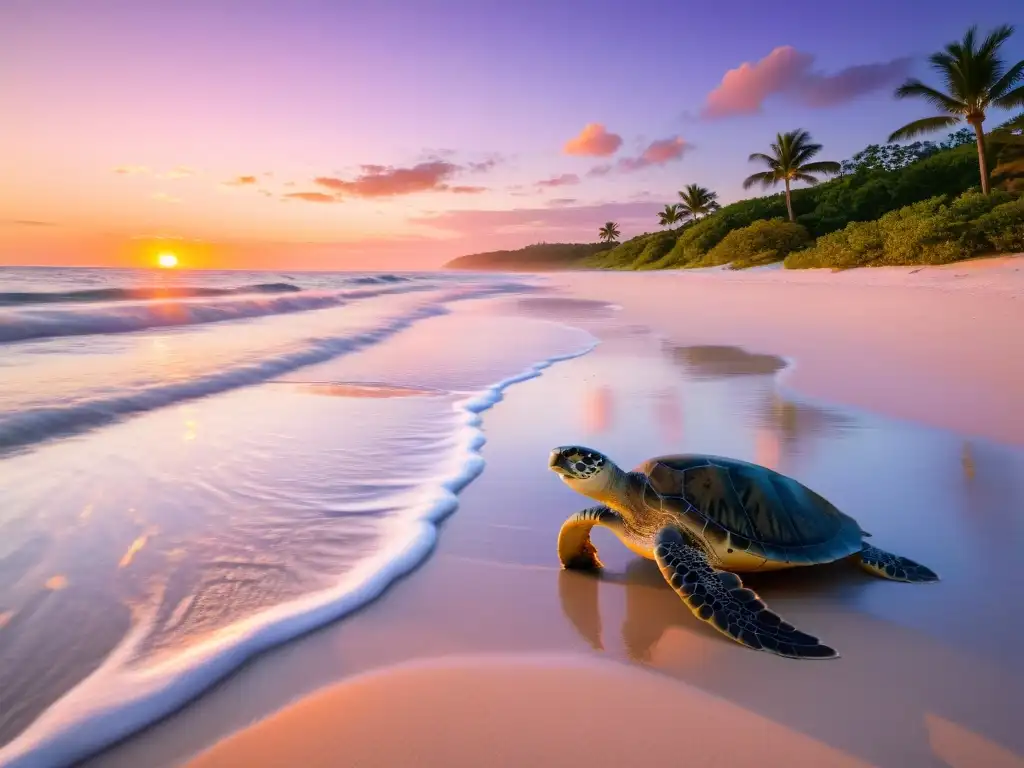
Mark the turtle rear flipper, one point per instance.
(720, 599)
(889, 566)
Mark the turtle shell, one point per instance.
(750, 508)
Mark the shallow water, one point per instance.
(210, 510)
(183, 497)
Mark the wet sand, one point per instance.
(929, 675)
(929, 344)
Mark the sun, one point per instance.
(167, 260)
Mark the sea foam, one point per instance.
(117, 700)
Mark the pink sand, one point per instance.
(944, 346)
(517, 712)
(941, 345)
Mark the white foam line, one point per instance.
(116, 701)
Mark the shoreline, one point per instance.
(930, 340)
(78, 725)
(493, 586)
(419, 608)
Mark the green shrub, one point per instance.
(922, 233)
(621, 256)
(761, 242)
(973, 204)
(857, 245)
(1003, 228)
(657, 246)
(928, 232)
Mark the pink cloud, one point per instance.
(561, 202)
(467, 190)
(849, 83)
(788, 72)
(312, 197)
(382, 181)
(565, 180)
(600, 170)
(593, 141)
(658, 152)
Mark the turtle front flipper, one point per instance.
(575, 550)
(720, 599)
(889, 566)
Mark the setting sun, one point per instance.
(167, 260)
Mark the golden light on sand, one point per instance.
(167, 260)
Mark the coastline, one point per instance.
(927, 344)
(493, 584)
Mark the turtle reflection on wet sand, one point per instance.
(702, 518)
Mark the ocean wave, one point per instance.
(30, 426)
(117, 700)
(34, 425)
(25, 324)
(384, 277)
(21, 298)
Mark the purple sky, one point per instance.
(351, 134)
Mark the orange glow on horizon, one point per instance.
(167, 260)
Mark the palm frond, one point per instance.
(762, 157)
(1013, 124)
(765, 179)
(1011, 100)
(991, 44)
(822, 166)
(805, 153)
(806, 178)
(791, 151)
(924, 125)
(1012, 76)
(915, 88)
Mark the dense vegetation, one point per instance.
(532, 258)
(874, 183)
(890, 204)
(933, 231)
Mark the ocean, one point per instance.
(197, 466)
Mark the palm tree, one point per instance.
(671, 215)
(789, 162)
(697, 201)
(609, 233)
(975, 78)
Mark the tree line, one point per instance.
(975, 78)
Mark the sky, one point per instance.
(364, 134)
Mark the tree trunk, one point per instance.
(982, 160)
(789, 203)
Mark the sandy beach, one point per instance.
(899, 403)
(389, 384)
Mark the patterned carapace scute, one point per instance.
(760, 510)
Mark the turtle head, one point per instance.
(584, 470)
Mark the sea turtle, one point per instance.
(702, 517)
